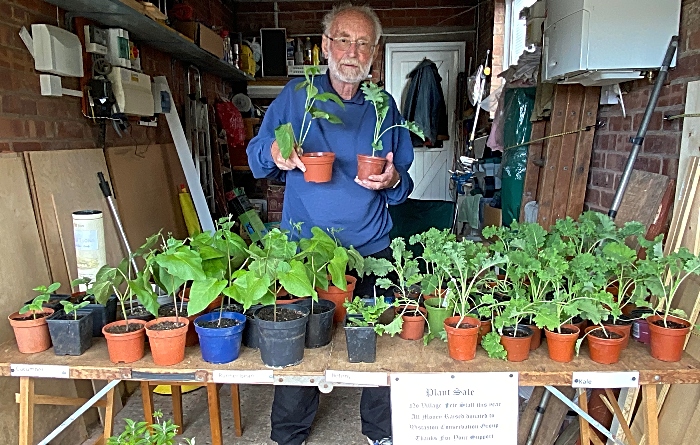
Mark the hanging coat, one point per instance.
(425, 105)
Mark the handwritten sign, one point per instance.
(357, 378)
(605, 379)
(49, 371)
(264, 376)
(454, 408)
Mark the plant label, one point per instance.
(627, 379)
(454, 408)
(263, 376)
(357, 378)
(50, 371)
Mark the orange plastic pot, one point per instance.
(517, 348)
(621, 329)
(484, 329)
(581, 325)
(369, 165)
(167, 346)
(339, 296)
(127, 347)
(536, 336)
(319, 166)
(561, 346)
(461, 341)
(413, 325)
(31, 335)
(605, 350)
(667, 343)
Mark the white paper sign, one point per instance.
(357, 378)
(264, 376)
(605, 379)
(51, 371)
(454, 408)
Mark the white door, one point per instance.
(430, 167)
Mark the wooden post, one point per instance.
(652, 421)
(147, 400)
(109, 415)
(584, 427)
(26, 411)
(214, 413)
(176, 396)
(236, 409)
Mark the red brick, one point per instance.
(619, 123)
(26, 146)
(670, 167)
(600, 179)
(662, 144)
(606, 199)
(592, 196)
(597, 160)
(648, 164)
(615, 162)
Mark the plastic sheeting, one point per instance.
(517, 128)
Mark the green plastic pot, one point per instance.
(436, 315)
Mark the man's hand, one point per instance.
(286, 164)
(386, 180)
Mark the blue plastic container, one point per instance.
(220, 345)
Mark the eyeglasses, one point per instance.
(343, 44)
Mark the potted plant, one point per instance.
(374, 165)
(143, 433)
(665, 273)
(362, 327)
(511, 335)
(319, 165)
(282, 329)
(29, 323)
(604, 344)
(224, 259)
(70, 329)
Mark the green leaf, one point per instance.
(284, 134)
(248, 289)
(295, 281)
(182, 263)
(145, 295)
(204, 292)
(323, 97)
(491, 343)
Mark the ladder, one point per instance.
(197, 132)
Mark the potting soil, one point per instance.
(216, 324)
(123, 329)
(42, 315)
(166, 326)
(606, 335)
(283, 314)
(670, 324)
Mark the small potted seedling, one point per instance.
(143, 433)
(71, 328)
(319, 165)
(362, 328)
(374, 165)
(29, 324)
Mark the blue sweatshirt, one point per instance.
(362, 214)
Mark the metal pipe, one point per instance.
(639, 138)
(87, 405)
(107, 192)
(538, 417)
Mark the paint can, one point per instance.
(89, 235)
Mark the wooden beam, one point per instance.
(527, 417)
(585, 432)
(236, 410)
(650, 411)
(611, 403)
(214, 413)
(62, 401)
(553, 418)
(26, 411)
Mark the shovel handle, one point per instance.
(104, 185)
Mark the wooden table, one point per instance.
(393, 355)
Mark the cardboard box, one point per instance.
(492, 216)
(207, 39)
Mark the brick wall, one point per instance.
(661, 148)
(29, 121)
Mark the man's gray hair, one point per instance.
(368, 12)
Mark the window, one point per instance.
(514, 31)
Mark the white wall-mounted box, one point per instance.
(602, 42)
(132, 91)
(57, 51)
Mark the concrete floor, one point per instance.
(337, 421)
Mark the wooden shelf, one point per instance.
(115, 14)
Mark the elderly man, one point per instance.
(358, 207)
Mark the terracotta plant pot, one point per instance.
(319, 166)
(413, 325)
(168, 345)
(127, 347)
(605, 350)
(536, 336)
(338, 296)
(625, 329)
(667, 343)
(581, 325)
(461, 342)
(192, 337)
(31, 335)
(517, 348)
(484, 329)
(369, 165)
(561, 346)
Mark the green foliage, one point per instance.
(369, 314)
(284, 134)
(491, 343)
(70, 308)
(435, 258)
(326, 257)
(380, 99)
(141, 433)
(37, 304)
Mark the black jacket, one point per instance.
(425, 104)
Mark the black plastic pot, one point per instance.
(70, 336)
(102, 314)
(319, 327)
(251, 335)
(141, 314)
(361, 343)
(54, 301)
(281, 343)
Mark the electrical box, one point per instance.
(603, 42)
(132, 91)
(118, 49)
(57, 51)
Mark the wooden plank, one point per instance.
(553, 417)
(527, 417)
(644, 193)
(584, 148)
(236, 410)
(650, 412)
(611, 403)
(40, 399)
(585, 432)
(176, 397)
(145, 183)
(214, 413)
(71, 177)
(658, 226)
(534, 165)
(690, 138)
(681, 212)
(26, 411)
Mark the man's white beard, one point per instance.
(348, 74)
